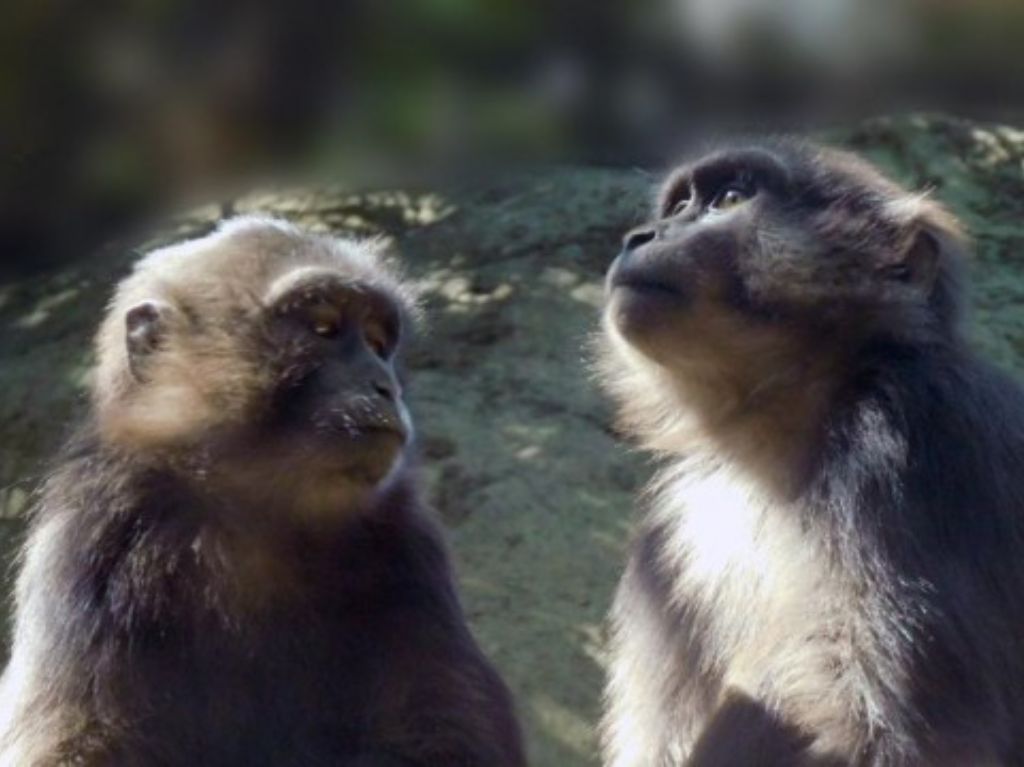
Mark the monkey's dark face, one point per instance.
(679, 280)
(759, 254)
(337, 406)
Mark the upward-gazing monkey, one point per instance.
(829, 568)
(230, 564)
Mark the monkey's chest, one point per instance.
(768, 611)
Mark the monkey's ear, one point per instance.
(919, 262)
(145, 328)
(928, 231)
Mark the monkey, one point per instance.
(826, 567)
(230, 563)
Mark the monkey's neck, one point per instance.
(280, 550)
(218, 558)
(771, 428)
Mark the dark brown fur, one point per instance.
(202, 590)
(827, 570)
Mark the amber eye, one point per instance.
(730, 197)
(681, 204)
(324, 320)
(325, 329)
(377, 340)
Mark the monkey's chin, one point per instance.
(370, 457)
(642, 313)
(350, 484)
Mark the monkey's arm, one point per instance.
(463, 721)
(744, 732)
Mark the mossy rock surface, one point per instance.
(519, 458)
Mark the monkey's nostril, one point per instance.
(638, 237)
(383, 390)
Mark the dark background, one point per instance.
(111, 111)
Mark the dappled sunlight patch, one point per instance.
(454, 288)
(559, 277)
(427, 209)
(992, 147)
(330, 208)
(529, 453)
(458, 309)
(589, 293)
(14, 501)
(458, 288)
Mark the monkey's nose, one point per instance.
(383, 389)
(638, 237)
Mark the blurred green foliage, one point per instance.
(112, 109)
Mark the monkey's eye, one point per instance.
(681, 204)
(378, 339)
(730, 197)
(325, 329)
(324, 320)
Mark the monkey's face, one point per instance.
(677, 291)
(757, 257)
(263, 360)
(336, 411)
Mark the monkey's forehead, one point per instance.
(248, 254)
(795, 161)
(254, 247)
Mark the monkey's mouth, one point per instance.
(647, 286)
(643, 291)
(628, 276)
(359, 431)
(366, 452)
